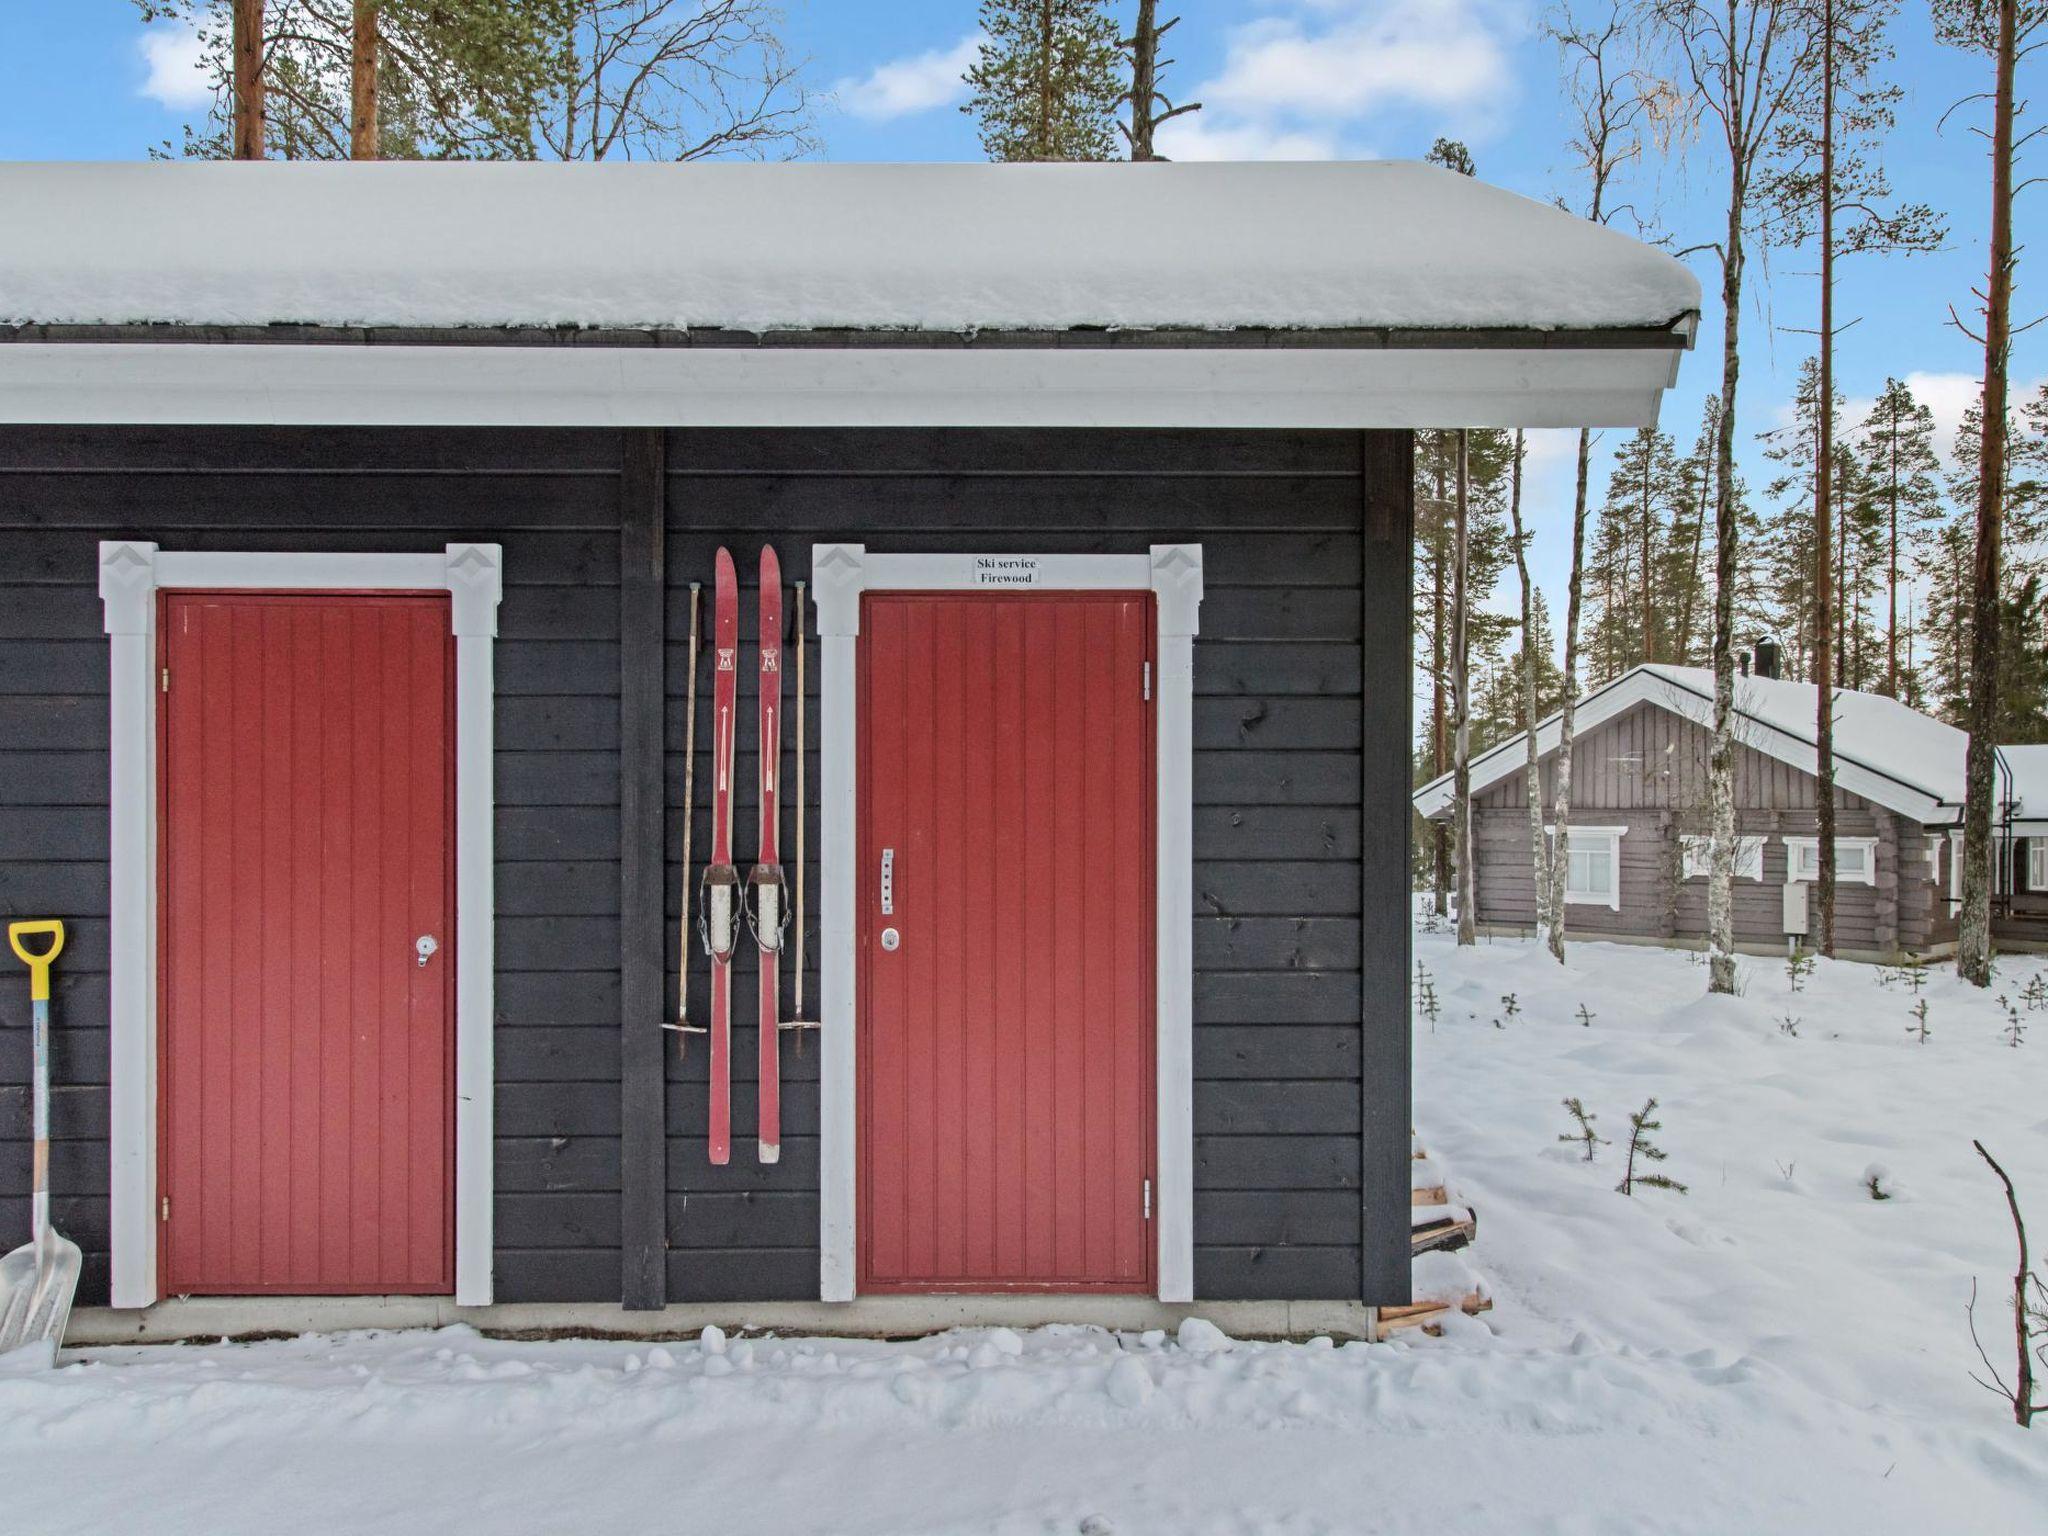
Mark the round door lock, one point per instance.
(424, 946)
(891, 939)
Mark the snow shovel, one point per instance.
(38, 1279)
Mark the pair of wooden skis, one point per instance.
(723, 899)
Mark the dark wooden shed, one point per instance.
(537, 400)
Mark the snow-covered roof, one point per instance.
(953, 248)
(1884, 751)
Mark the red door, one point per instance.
(306, 1054)
(1006, 1030)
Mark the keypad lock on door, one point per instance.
(890, 937)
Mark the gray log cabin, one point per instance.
(1639, 819)
(349, 521)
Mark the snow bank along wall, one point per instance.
(602, 1188)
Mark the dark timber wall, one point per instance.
(1293, 1133)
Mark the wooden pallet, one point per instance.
(1445, 1233)
(1426, 1315)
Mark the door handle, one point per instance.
(888, 882)
(424, 946)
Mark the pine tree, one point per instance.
(373, 79)
(1630, 559)
(1048, 80)
(1688, 577)
(2006, 31)
(1896, 447)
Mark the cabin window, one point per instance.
(2037, 863)
(1855, 860)
(1592, 875)
(1696, 849)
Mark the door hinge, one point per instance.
(1148, 682)
(166, 1208)
(1148, 1199)
(167, 680)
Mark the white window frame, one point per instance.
(132, 573)
(1796, 849)
(2037, 864)
(1580, 836)
(1693, 852)
(840, 573)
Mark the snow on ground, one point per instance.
(1775, 1351)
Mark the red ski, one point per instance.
(716, 901)
(768, 912)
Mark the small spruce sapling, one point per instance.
(1788, 1024)
(1640, 1145)
(1874, 1180)
(1918, 1028)
(1509, 1004)
(1426, 1000)
(1914, 974)
(1798, 966)
(2035, 993)
(1586, 1019)
(1585, 1135)
(2014, 1033)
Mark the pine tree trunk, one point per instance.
(1823, 495)
(1461, 701)
(1439, 724)
(365, 46)
(1721, 762)
(247, 47)
(1539, 872)
(1560, 842)
(1891, 623)
(1973, 940)
(1144, 79)
(1045, 72)
(1648, 603)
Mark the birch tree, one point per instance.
(1461, 695)
(1532, 703)
(1611, 97)
(1746, 69)
(2007, 31)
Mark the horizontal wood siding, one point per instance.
(1278, 723)
(551, 498)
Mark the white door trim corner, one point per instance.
(840, 573)
(132, 573)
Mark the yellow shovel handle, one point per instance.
(38, 964)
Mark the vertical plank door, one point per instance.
(1005, 1064)
(306, 1054)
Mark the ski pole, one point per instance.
(682, 1026)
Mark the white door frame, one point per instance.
(131, 575)
(840, 573)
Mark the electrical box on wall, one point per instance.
(1795, 910)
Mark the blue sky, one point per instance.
(82, 79)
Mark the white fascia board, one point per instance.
(194, 383)
(1641, 686)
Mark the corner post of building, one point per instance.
(643, 1129)
(1385, 577)
(128, 594)
(475, 576)
(1177, 597)
(838, 577)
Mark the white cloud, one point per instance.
(1344, 60)
(904, 86)
(1199, 137)
(1948, 395)
(1296, 85)
(176, 59)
